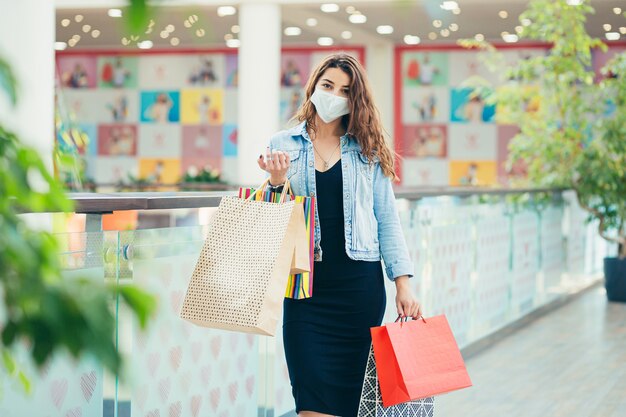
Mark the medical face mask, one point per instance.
(329, 106)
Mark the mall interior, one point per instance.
(125, 123)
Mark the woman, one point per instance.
(338, 154)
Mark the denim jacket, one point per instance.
(372, 226)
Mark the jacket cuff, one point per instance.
(399, 269)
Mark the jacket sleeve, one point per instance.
(270, 144)
(391, 240)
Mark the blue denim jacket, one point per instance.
(372, 225)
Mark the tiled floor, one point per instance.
(569, 363)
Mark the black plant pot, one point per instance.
(615, 279)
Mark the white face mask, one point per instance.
(329, 107)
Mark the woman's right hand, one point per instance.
(276, 164)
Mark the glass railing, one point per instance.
(482, 261)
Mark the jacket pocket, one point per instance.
(294, 163)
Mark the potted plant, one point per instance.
(572, 130)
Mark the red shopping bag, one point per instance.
(417, 359)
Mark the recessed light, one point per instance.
(606, 27)
(384, 29)
(175, 41)
(145, 44)
(574, 2)
(526, 22)
(86, 28)
(233, 43)
(200, 33)
(503, 14)
(449, 5)
(76, 37)
(612, 36)
(329, 8)
(412, 40)
(350, 9)
(479, 37)
(432, 36)
(454, 27)
(65, 22)
(193, 18)
(622, 30)
(445, 33)
(510, 38)
(165, 34)
(292, 31)
(95, 33)
(235, 28)
(437, 23)
(170, 28)
(226, 11)
(346, 34)
(187, 23)
(79, 18)
(59, 46)
(311, 21)
(456, 11)
(357, 18)
(617, 10)
(72, 43)
(228, 36)
(325, 41)
(114, 12)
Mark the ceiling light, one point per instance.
(114, 12)
(479, 37)
(226, 11)
(65, 22)
(187, 23)
(145, 44)
(193, 18)
(125, 41)
(200, 33)
(86, 28)
(606, 27)
(233, 43)
(526, 22)
(445, 33)
(346, 34)
(612, 36)
(175, 41)
(437, 23)
(510, 38)
(165, 34)
(235, 28)
(72, 43)
(617, 10)
(76, 37)
(622, 30)
(519, 29)
(350, 9)
(329, 8)
(59, 46)
(456, 11)
(503, 14)
(384, 29)
(454, 27)
(95, 33)
(574, 2)
(293, 31)
(79, 18)
(311, 21)
(228, 36)
(170, 28)
(449, 5)
(412, 40)
(324, 41)
(432, 36)
(357, 18)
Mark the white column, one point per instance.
(259, 86)
(379, 66)
(27, 43)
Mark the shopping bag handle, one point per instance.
(261, 188)
(405, 319)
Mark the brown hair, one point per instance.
(363, 122)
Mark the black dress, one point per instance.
(327, 337)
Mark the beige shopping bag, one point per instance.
(240, 279)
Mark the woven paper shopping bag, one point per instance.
(300, 282)
(417, 359)
(239, 281)
(371, 403)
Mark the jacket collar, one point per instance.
(299, 130)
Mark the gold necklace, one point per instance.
(326, 164)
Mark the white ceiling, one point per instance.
(407, 18)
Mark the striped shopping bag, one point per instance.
(300, 285)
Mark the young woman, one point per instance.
(339, 155)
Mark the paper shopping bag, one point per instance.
(300, 282)
(240, 277)
(417, 359)
(371, 403)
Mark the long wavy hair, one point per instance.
(363, 122)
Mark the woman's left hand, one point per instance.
(406, 302)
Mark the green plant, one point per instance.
(205, 175)
(568, 139)
(48, 312)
